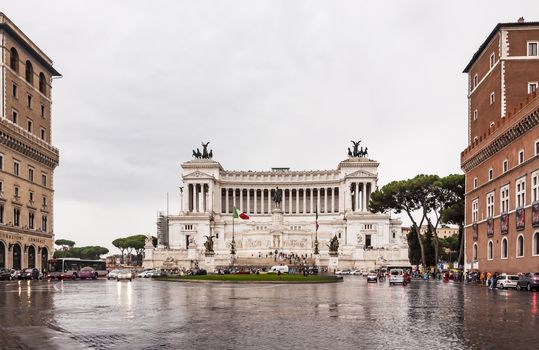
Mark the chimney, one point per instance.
(521, 20)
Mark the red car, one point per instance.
(87, 272)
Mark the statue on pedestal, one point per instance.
(277, 197)
(334, 246)
(205, 154)
(209, 245)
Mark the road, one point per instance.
(146, 314)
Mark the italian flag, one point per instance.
(241, 215)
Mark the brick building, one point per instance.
(501, 162)
(27, 157)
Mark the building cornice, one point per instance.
(23, 142)
(27, 44)
(496, 140)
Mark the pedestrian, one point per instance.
(482, 277)
(489, 280)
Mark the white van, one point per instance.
(396, 276)
(279, 268)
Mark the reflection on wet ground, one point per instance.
(147, 314)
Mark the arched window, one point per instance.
(475, 252)
(504, 248)
(29, 72)
(520, 246)
(14, 60)
(536, 243)
(490, 251)
(42, 83)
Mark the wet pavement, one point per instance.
(146, 314)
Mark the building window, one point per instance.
(532, 87)
(475, 252)
(535, 186)
(491, 100)
(29, 125)
(490, 204)
(14, 117)
(490, 251)
(16, 217)
(490, 174)
(535, 244)
(537, 147)
(42, 83)
(16, 167)
(520, 246)
(521, 156)
(44, 179)
(43, 134)
(31, 174)
(14, 91)
(14, 60)
(31, 220)
(1, 161)
(475, 80)
(475, 113)
(504, 248)
(492, 60)
(42, 111)
(475, 182)
(475, 210)
(44, 203)
(44, 223)
(504, 199)
(521, 192)
(532, 48)
(29, 101)
(29, 72)
(16, 192)
(1, 214)
(31, 195)
(505, 166)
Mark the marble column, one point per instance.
(249, 201)
(311, 200)
(255, 204)
(304, 200)
(333, 199)
(233, 199)
(318, 200)
(226, 201)
(262, 201)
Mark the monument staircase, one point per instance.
(265, 262)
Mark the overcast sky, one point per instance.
(268, 83)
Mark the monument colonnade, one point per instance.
(296, 199)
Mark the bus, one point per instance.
(68, 268)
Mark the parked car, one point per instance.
(88, 272)
(124, 275)
(113, 274)
(372, 277)
(30, 274)
(507, 281)
(343, 272)
(160, 273)
(396, 276)
(146, 273)
(357, 273)
(5, 274)
(313, 270)
(16, 274)
(198, 272)
(529, 281)
(279, 268)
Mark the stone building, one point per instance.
(27, 157)
(340, 196)
(501, 162)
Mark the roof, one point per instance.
(491, 35)
(10, 28)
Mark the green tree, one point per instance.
(137, 242)
(407, 196)
(92, 252)
(453, 212)
(121, 244)
(414, 250)
(428, 243)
